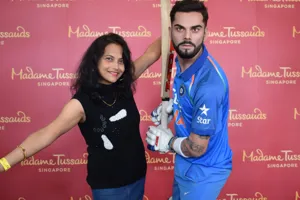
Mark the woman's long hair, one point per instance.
(87, 73)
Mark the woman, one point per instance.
(105, 111)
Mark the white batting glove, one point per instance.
(158, 138)
(156, 113)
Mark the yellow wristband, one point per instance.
(5, 164)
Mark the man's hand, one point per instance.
(156, 113)
(159, 138)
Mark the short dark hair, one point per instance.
(189, 6)
(88, 75)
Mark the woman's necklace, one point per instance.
(108, 103)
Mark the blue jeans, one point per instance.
(134, 191)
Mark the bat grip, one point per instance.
(164, 120)
(164, 114)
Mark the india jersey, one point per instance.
(201, 106)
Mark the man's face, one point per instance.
(187, 34)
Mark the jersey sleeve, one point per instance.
(206, 110)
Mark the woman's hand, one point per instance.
(1, 168)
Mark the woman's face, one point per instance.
(110, 65)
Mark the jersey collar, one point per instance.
(188, 73)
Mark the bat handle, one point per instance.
(164, 120)
(164, 114)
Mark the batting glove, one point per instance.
(159, 138)
(156, 113)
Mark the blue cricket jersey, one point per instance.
(201, 106)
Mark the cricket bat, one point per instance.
(167, 57)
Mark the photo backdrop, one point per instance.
(256, 42)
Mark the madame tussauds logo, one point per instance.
(87, 32)
(234, 196)
(297, 196)
(47, 3)
(236, 118)
(21, 117)
(284, 159)
(145, 198)
(156, 76)
(58, 163)
(295, 32)
(86, 197)
(157, 5)
(284, 75)
(275, 4)
(43, 0)
(233, 35)
(161, 163)
(55, 78)
(296, 113)
(19, 33)
(144, 116)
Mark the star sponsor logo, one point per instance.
(200, 119)
(204, 110)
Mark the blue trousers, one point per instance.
(197, 182)
(134, 191)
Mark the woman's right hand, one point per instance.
(1, 168)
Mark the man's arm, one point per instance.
(151, 55)
(194, 145)
(204, 123)
(207, 115)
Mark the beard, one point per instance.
(185, 54)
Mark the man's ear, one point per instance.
(205, 33)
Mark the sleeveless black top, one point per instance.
(116, 154)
